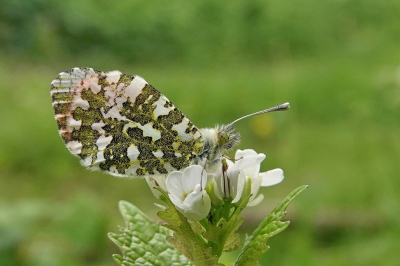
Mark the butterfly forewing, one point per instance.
(120, 124)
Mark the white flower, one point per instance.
(187, 192)
(230, 184)
(258, 179)
(156, 181)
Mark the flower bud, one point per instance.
(215, 200)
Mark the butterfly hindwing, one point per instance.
(120, 124)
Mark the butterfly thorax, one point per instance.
(216, 142)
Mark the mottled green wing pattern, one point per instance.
(120, 124)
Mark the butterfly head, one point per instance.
(228, 138)
(223, 139)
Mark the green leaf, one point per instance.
(256, 244)
(187, 241)
(144, 242)
(233, 242)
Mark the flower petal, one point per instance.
(204, 178)
(210, 178)
(271, 177)
(255, 186)
(252, 171)
(239, 153)
(178, 203)
(191, 177)
(230, 183)
(241, 181)
(174, 184)
(256, 201)
(197, 205)
(229, 163)
(218, 186)
(193, 197)
(154, 181)
(248, 161)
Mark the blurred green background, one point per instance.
(336, 62)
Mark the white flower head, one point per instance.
(230, 183)
(187, 192)
(258, 179)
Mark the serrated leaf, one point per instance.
(197, 227)
(144, 242)
(212, 233)
(228, 232)
(233, 242)
(256, 244)
(118, 259)
(185, 240)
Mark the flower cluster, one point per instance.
(194, 191)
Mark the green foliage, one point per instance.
(256, 244)
(222, 233)
(143, 242)
(203, 242)
(199, 30)
(186, 240)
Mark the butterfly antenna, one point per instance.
(282, 107)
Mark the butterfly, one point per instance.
(122, 125)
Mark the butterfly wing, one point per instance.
(120, 124)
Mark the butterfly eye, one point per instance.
(223, 138)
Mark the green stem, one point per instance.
(226, 209)
(224, 233)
